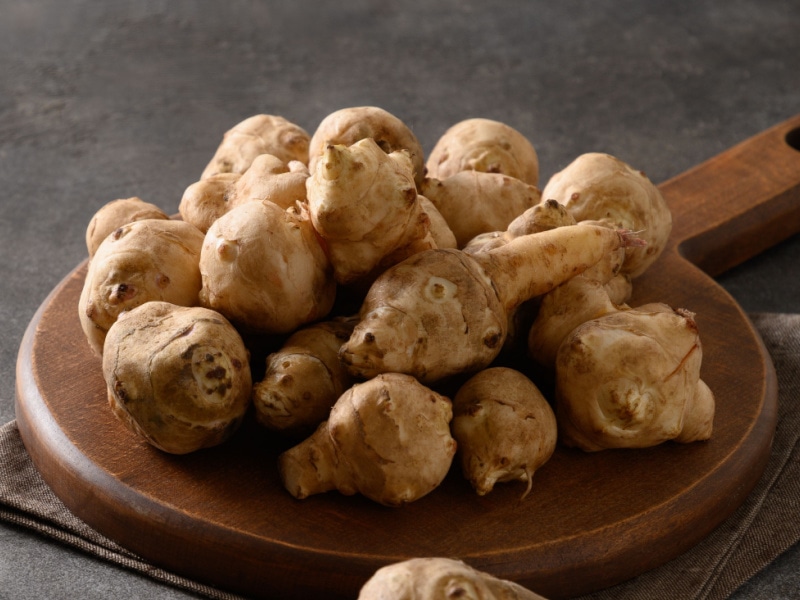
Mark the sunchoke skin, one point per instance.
(484, 145)
(599, 187)
(304, 378)
(347, 126)
(256, 135)
(363, 203)
(177, 376)
(504, 427)
(443, 312)
(631, 379)
(439, 578)
(476, 202)
(115, 214)
(263, 268)
(152, 259)
(387, 439)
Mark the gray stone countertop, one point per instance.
(105, 100)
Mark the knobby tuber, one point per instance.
(152, 259)
(263, 268)
(442, 312)
(256, 135)
(115, 214)
(504, 427)
(177, 376)
(439, 578)
(304, 378)
(387, 439)
(631, 379)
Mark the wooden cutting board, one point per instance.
(222, 517)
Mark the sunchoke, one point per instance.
(115, 214)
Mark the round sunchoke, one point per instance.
(115, 214)
(387, 439)
(177, 376)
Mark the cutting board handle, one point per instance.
(738, 203)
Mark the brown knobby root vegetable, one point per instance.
(256, 135)
(347, 126)
(599, 187)
(484, 145)
(115, 214)
(504, 427)
(475, 202)
(304, 378)
(443, 312)
(152, 259)
(177, 376)
(267, 178)
(387, 439)
(631, 379)
(263, 268)
(439, 578)
(440, 231)
(363, 203)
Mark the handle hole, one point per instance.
(793, 138)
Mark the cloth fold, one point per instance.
(767, 523)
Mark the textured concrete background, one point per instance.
(102, 100)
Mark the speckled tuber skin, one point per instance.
(177, 376)
(304, 378)
(504, 427)
(363, 203)
(152, 259)
(631, 379)
(484, 145)
(475, 202)
(599, 187)
(347, 126)
(439, 578)
(387, 439)
(443, 312)
(115, 214)
(256, 135)
(263, 268)
(267, 178)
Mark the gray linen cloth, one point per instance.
(767, 524)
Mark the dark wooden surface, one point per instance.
(221, 515)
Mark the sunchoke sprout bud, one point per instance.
(363, 203)
(484, 145)
(347, 126)
(177, 376)
(263, 268)
(114, 215)
(439, 578)
(256, 135)
(152, 259)
(504, 427)
(387, 439)
(631, 379)
(600, 187)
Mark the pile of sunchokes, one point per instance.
(387, 287)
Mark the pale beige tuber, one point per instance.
(387, 439)
(115, 214)
(263, 268)
(363, 203)
(504, 427)
(304, 378)
(439, 578)
(347, 126)
(256, 135)
(177, 376)
(484, 145)
(267, 178)
(599, 187)
(442, 312)
(152, 259)
(631, 379)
